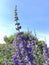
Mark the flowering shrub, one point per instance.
(28, 50)
(24, 51)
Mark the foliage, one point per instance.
(9, 39)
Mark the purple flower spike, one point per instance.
(44, 44)
(24, 52)
(18, 33)
(20, 45)
(31, 57)
(15, 60)
(28, 49)
(48, 55)
(25, 44)
(19, 39)
(14, 57)
(23, 38)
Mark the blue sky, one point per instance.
(33, 15)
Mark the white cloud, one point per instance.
(2, 34)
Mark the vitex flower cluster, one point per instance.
(45, 53)
(24, 52)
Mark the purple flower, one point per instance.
(28, 49)
(45, 57)
(14, 57)
(33, 42)
(19, 39)
(22, 51)
(47, 62)
(48, 55)
(31, 57)
(25, 44)
(18, 33)
(15, 60)
(45, 50)
(6, 61)
(20, 45)
(23, 37)
(45, 53)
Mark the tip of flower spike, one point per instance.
(18, 33)
(44, 44)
